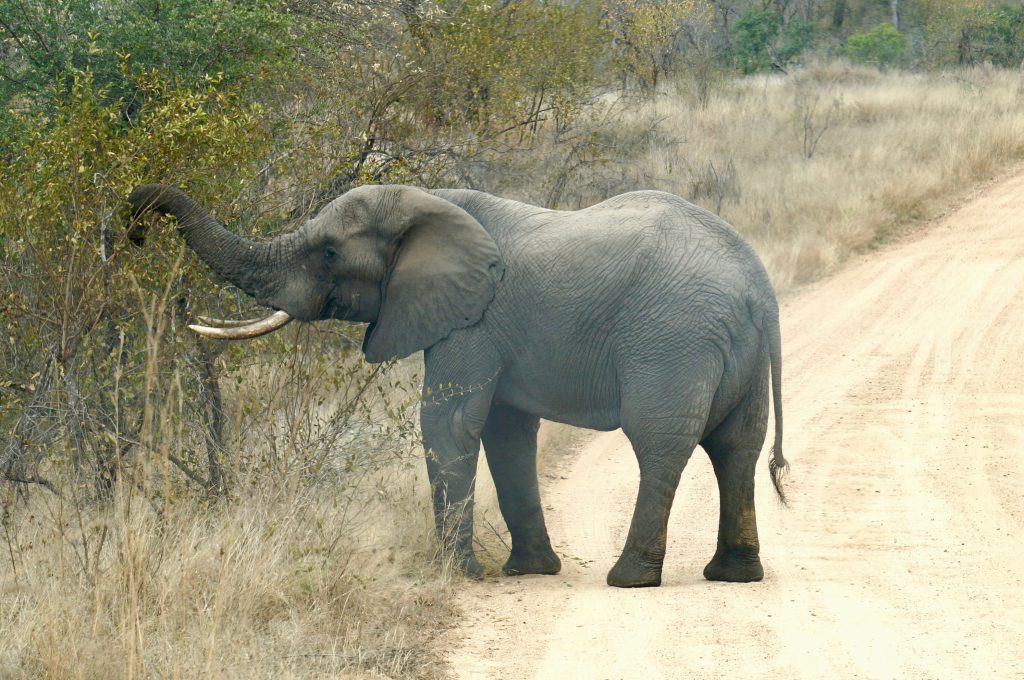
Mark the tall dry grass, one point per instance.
(277, 584)
(810, 166)
(320, 561)
(893, 149)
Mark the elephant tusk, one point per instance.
(226, 323)
(249, 330)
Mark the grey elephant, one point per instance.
(643, 312)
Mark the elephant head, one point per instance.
(412, 265)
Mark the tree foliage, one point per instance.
(881, 46)
(91, 319)
(1001, 38)
(646, 33)
(187, 40)
(763, 40)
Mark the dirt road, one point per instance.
(902, 552)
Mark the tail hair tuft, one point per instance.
(777, 468)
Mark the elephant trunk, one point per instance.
(246, 264)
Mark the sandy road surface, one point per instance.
(902, 553)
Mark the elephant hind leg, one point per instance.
(734, 447)
(510, 443)
(664, 430)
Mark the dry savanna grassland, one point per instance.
(327, 567)
(816, 165)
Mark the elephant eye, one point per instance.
(330, 254)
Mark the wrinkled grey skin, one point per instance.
(643, 312)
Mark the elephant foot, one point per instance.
(734, 567)
(630, 572)
(540, 562)
(470, 567)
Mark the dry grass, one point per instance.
(321, 563)
(273, 585)
(897, 149)
(811, 166)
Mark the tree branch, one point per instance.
(33, 480)
(180, 464)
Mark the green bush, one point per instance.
(797, 37)
(762, 41)
(755, 34)
(93, 324)
(1000, 38)
(489, 66)
(881, 46)
(646, 36)
(186, 40)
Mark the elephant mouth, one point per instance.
(351, 307)
(327, 311)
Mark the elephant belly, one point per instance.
(563, 396)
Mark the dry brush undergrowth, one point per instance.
(273, 586)
(316, 558)
(320, 562)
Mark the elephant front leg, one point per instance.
(510, 442)
(452, 418)
(452, 474)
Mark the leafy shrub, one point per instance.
(763, 42)
(93, 327)
(881, 46)
(188, 40)
(999, 37)
(797, 37)
(755, 34)
(645, 36)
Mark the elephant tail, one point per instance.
(777, 465)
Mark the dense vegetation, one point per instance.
(263, 110)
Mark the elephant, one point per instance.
(643, 312)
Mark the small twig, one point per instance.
(10, 548)
(24, 48)
(490, 525)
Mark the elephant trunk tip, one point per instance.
(159, 198)
(146, 197)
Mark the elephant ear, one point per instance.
(443, 277)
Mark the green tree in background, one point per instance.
(497, 65)
(1001, 39)
(645, 34)
(45, 43)
(949, 29)
(762, 41)
(881, 46)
